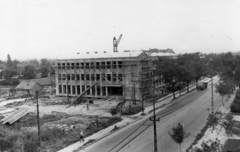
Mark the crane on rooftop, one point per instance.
(116, 43)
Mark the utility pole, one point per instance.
(212, 95)
(39, 133)
(154, 118)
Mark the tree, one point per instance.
(9, 72)
(223, 89)
(199, 70)
(186, 75)
(178, 134)
(29, 72)
(9, 61)
(169, 70)
(237, 75)
(46, 67)
(194, 64)
(214, 119)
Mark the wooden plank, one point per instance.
(82, 94)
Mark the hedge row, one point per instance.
(235, 106)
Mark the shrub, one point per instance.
(235, 106)
(47, 135)
(113, 111)
(30, 145)
(134, 110)
(5, 144)
(13, 137)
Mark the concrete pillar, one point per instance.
(101, 92)
(106, 90)
(96, 90)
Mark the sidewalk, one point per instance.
(161, 103)
(220, 132)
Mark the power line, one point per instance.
(128, 135)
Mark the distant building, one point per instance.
(29, 86)
(44, 82)
(126, 74)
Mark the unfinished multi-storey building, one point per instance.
(126, 74)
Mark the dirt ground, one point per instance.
(47, 106)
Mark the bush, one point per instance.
(132, 110)
(13, 137)
(53, 133)
(30, 146)
(5, 144)
(113, 111)
(235, 106)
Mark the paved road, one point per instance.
(193, 114)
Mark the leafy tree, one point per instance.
(214, 119)
(237, 75)
(14, 63)
(199, 70)
(186, 75)
(226, 74)
(178, 135)
(9, 61)
(9, 72)
(169, 70)
(223, 89)
(46, 67)
(29, 72)
(214, 62)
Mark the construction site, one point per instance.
(89, 91)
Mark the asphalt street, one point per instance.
(191, 110)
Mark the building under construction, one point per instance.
(126, 74)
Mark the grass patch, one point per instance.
(232, 145)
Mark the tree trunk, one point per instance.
(180, 147)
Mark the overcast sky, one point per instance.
(58, 28)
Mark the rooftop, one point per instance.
(105, 54)
(26, 85)
(43, 81)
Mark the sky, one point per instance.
(62, 28)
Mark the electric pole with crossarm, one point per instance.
(153, 118)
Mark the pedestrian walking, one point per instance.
(81, 136)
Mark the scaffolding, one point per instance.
(130, 76)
